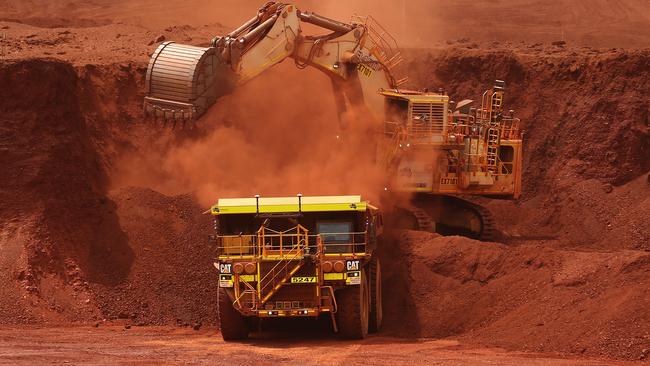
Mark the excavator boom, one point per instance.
(183, 81)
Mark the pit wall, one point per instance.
(81, 249)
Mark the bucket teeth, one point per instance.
(165, 110)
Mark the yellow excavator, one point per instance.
(438, 152)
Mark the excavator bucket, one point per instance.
(183, 81)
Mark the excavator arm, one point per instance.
(184, 81)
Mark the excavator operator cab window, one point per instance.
(336, 235)
(397, 111)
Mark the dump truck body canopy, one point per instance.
(227, 206)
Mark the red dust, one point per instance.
(277, 135)
(79, 246)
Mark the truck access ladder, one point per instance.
(276, 278)
(281, 255)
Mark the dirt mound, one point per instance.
(76, 252)
(528, 297)
(170, 277)
(45, 147)
(58, 22)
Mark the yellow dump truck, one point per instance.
(281, 257)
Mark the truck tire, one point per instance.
(353, 309)
(233, 325)
(376, 308)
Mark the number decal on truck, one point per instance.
(303, 279)
(447, 181)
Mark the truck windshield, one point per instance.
(335, 232)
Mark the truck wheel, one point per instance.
(233, 325)
(376, 308)
(353, 309)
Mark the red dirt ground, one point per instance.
(101, 212)
(172, 345)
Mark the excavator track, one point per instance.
(411, 217)
(424, 221)
(489, 230)
(453, 215)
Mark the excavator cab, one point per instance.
(435, 149)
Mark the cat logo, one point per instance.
(225, 267)
(352, 265)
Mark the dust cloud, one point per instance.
(276, 135)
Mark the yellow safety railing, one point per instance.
(277, 243)
(237, 246)
(288, 246)
(383, 46)
(250, 291)
(265, 242)
(393, 143)
(355, 243)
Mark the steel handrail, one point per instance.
(275, 275)
(324, 245)
(251, 289)
(241, 247)
(261, 234)
(297, 254)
